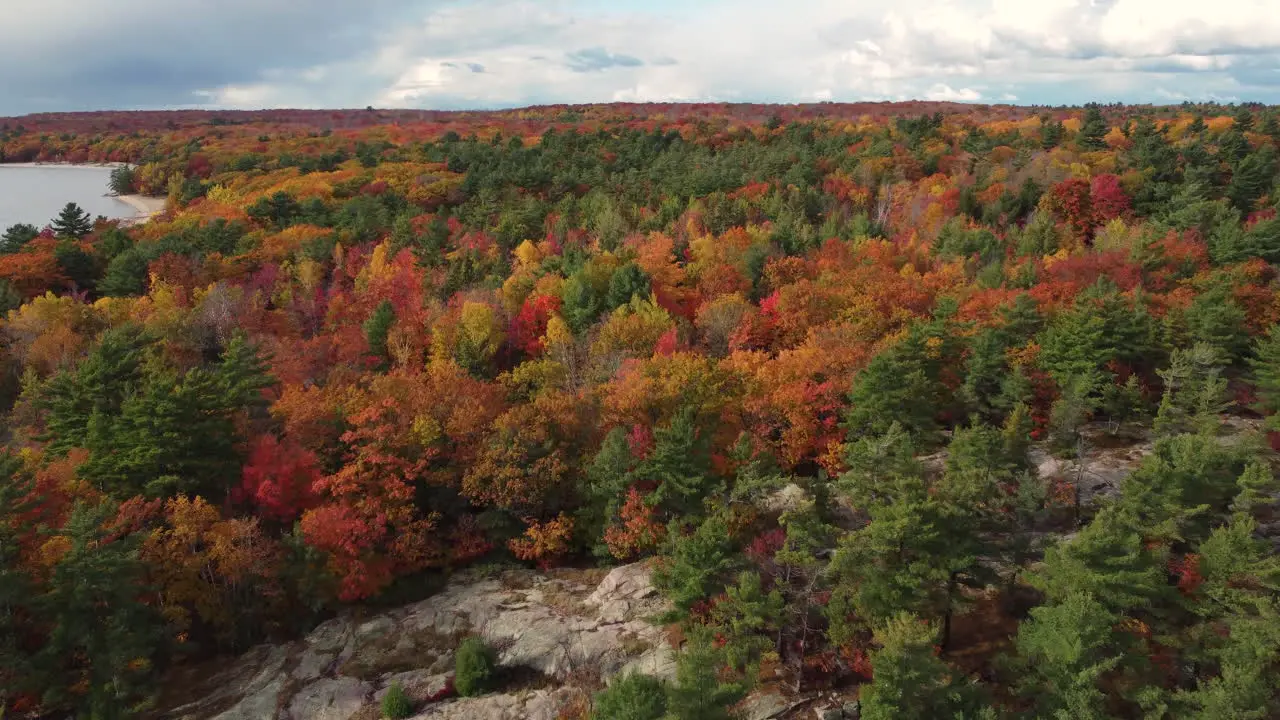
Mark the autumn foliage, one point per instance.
(359, 349)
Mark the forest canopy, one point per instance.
(839, 372)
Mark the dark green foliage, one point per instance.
(1185, 483)
(279, 211)
(917, 552)
(910, 681)
(10, 299)
(991, 389)
(16, 586)
(1108, 560)
(627, 282)
(16, 236)
(313, 211)
(1102, 327)
(582, 301)
(377, 327)
(1051, 133)
(1194, 392)
(1040, 237)
(700, 693)
(122, 179)
(899, 385)
(100, 631)
(98, 386)
(876, 464)
(79, 266)
(1070, 412)
(1242, 119)
(1233, 146)
(72, 222)
(1214, 318)
(632, 697)
(395, 704)
(1093, 130)
(955, 240)
(170, 437)
(604, 488)
(1241, 574)
(473, 667)
(149, 430)
(757, 476)
(1253, 178)
(681, 464)
(364, 218)
(1241, 584)
(696, 563)
(112, 242)
(747, 618)
(1258, 487)
(1064, 650)
(1265, 364)
(126, 274)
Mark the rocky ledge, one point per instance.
(555, 637)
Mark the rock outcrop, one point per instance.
(557, 629)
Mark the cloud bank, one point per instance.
(123, 54)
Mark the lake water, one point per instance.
(35, 194)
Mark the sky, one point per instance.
(61, 55)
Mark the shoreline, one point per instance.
(64, 165)
(146, 207)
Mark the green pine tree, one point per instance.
(898, 385)
(1110, 561)
(631, 697)
(1265, 365)
(10, 299)
(627, 282)
(875, 463)
(126, 275)
(377, 327)
(1240, 639)
(604, 488)
(695, 565)
(1094, 129)
(112, 372)
(748, 618)
(1258, 488)
(1183, 486)
(1216, 319)
(101, 632)
(699, 692)
(757, 475)
(1241, 576)
(72, 222)
(1253, 178)
(1194, 392)
(1064, 650)
(680, 463)
(17, 589)
(16, 236)
(909, 681)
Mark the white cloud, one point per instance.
(490, 53)
(945, 92)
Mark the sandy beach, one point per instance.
(147, 207)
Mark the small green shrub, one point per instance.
(472, 667)
(634, 697)
(395, 704)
